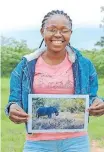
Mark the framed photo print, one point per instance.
(57, 113)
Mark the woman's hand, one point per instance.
(97, 108)
(17, 114)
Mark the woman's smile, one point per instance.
(57, 42)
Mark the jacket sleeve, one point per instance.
(16, 86)
(93, 84)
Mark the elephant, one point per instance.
(43, 111)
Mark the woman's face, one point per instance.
(56, 33)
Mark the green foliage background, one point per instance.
(13, 50)
(97, 58)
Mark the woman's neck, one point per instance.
(53, 58)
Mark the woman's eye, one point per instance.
(53, 30)
(65, 31)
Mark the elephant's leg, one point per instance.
(37, 115)
(50, 116)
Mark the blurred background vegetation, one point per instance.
(13, 50)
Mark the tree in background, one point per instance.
(97, 58)
(11, 53)
(101, 42)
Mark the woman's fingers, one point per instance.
(97, 112)
(95, 104)
(97, 108)
(17, 119)
(17, 114)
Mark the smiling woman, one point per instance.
(58, 68)
(56, 30)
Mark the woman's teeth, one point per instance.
(57, 42)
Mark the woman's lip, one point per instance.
(57, 40)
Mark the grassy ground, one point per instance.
(96, 125)
(13, 136)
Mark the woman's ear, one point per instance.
(42, 32)
(71, 32)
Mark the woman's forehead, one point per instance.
(57, 20)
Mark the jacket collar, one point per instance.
(72, 54)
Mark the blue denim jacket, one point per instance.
(21, 83)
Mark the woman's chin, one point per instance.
(57, 49)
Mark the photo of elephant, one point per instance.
(58, 113)
(49, 111)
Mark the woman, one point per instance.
(47, 71)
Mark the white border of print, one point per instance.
(29, 125)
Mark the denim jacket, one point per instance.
(21, 82)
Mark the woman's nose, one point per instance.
(58, 33)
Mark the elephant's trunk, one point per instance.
(57, 113)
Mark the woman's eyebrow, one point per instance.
(55, 25)
(51, 25)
